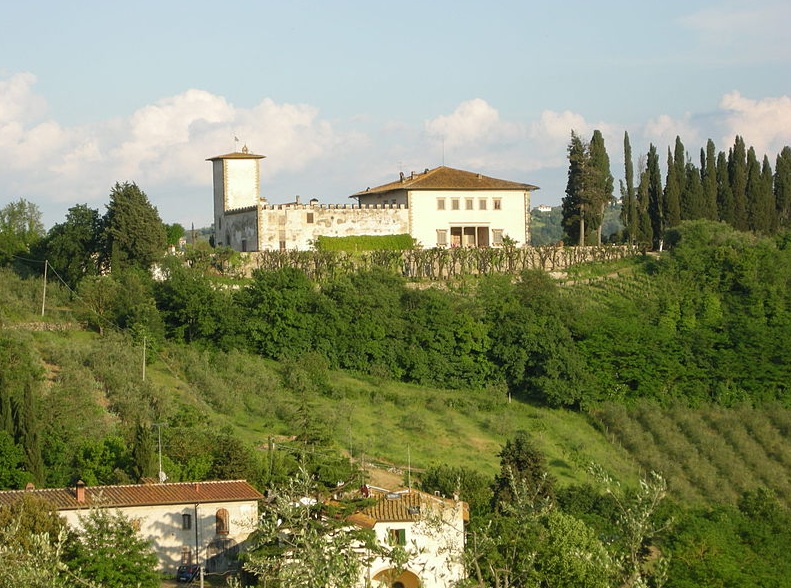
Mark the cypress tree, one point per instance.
(737, 172)
(708, 170)
(575, 205)
(693, 202)
(782, 187)
(645, 230)
(724, 192)
(672, 196)
(601, 193)
(656, 204)
(760, 202)
(628, 194)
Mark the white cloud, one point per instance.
(663, 130)
(473, 121)
(764, 124)
(18, 103)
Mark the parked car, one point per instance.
(187, 573)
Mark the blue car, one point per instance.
(187, 573)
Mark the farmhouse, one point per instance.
(440, 207)
(203, 523)
(429, 528)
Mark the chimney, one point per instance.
(79, 490)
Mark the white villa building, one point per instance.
(440, 207)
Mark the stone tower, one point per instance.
(237, 189)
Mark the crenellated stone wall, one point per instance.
(297, 226)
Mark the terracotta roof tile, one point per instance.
(403, 506)
(445, 178)
(141, 494)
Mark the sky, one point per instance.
(341, 95)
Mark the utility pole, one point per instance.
(162, 475)
(44, 296)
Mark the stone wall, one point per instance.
(296, 226)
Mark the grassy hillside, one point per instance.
(94, 388)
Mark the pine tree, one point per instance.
(134, 235)
(737, 173)
(782, 187)
(629, 215)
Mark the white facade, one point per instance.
(429, 528)
(469, 219)
(189, 533)
(442, 207)
(205, 523)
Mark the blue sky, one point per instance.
(341, 95)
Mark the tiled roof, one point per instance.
(400, 506)
(141, 494)
(445, 178)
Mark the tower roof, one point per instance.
(243, 154)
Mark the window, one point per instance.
(468, 204)
(244, 245)
(310, 218)
(186, 555)
(397, 536)
(221, 521)
(186, 521)
(454, 203)
(440, 204)
(498, 204)
(442, 237)
(497, 236)
(482, 204)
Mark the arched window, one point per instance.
(221, 521)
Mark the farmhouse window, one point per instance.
(442, 237)
(221, 521)
(186, 522)
(440, 204)
(397, 536)
(310, 218)
(454, 204)
(468, 204)
(498, 204)
(482, 204)
(497, 236)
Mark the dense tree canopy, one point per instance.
(134, 234)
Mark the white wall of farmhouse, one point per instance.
(436, 545)
(176, 538)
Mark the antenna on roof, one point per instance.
(235, 143)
